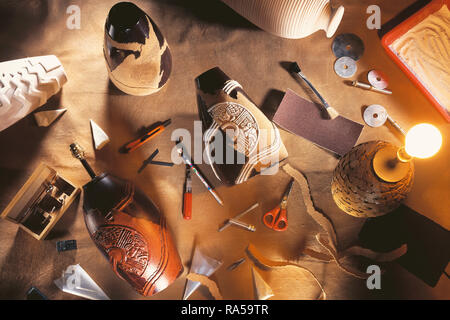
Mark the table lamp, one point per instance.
(375, 177)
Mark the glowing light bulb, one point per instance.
(423, 141)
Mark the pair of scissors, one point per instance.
(276, 218)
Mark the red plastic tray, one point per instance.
(399, 31)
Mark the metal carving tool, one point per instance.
(243, 225)
(376, 116)
(193, 167)
(236, 264)
(295, 68)
(369, 87)
(150, 161)
(240, 215)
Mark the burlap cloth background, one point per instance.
(202, 34)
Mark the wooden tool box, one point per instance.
(41, 202)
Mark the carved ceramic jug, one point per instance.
(130, 231)
(137, 54)
(240, 141)
(291, 19)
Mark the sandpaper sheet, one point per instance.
(306, 119)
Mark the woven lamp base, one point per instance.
(359, 191)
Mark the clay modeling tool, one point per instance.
(348, 45)
(242, 225)
(187, 195)
(240, 215)
(345, 67)
(236, 264)
(376, 116)
(135, 144)
(305, 119)
(276, 219)
(194, 168)
(98, 135)
(366, 86)
(378, 79)
(149, 160)
(295, 68)
(203, 265)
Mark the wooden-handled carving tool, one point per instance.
(295, 68)
(135, 144)
(187, 195)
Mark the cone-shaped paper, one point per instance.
(76, 281)
(261, 288)
(203, 265)
(99, 136)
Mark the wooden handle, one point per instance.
(187, 206)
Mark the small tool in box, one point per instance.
(41, 202)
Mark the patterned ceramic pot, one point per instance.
(137, 54)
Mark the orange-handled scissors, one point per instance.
(276, 218)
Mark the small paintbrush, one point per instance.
(296, 69)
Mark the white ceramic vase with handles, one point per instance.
(293, 19)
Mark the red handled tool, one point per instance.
(187, 195)
(276, 218)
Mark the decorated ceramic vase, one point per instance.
(240, 141)
(137, 54)
(130, 231)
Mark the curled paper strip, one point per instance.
(208, 283)
(261, 261)
(329, 240)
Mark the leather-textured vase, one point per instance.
(240, 141)
(129, 230)
(137, 55)
(291, 19)
(132, 234)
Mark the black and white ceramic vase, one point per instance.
(137, 54)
